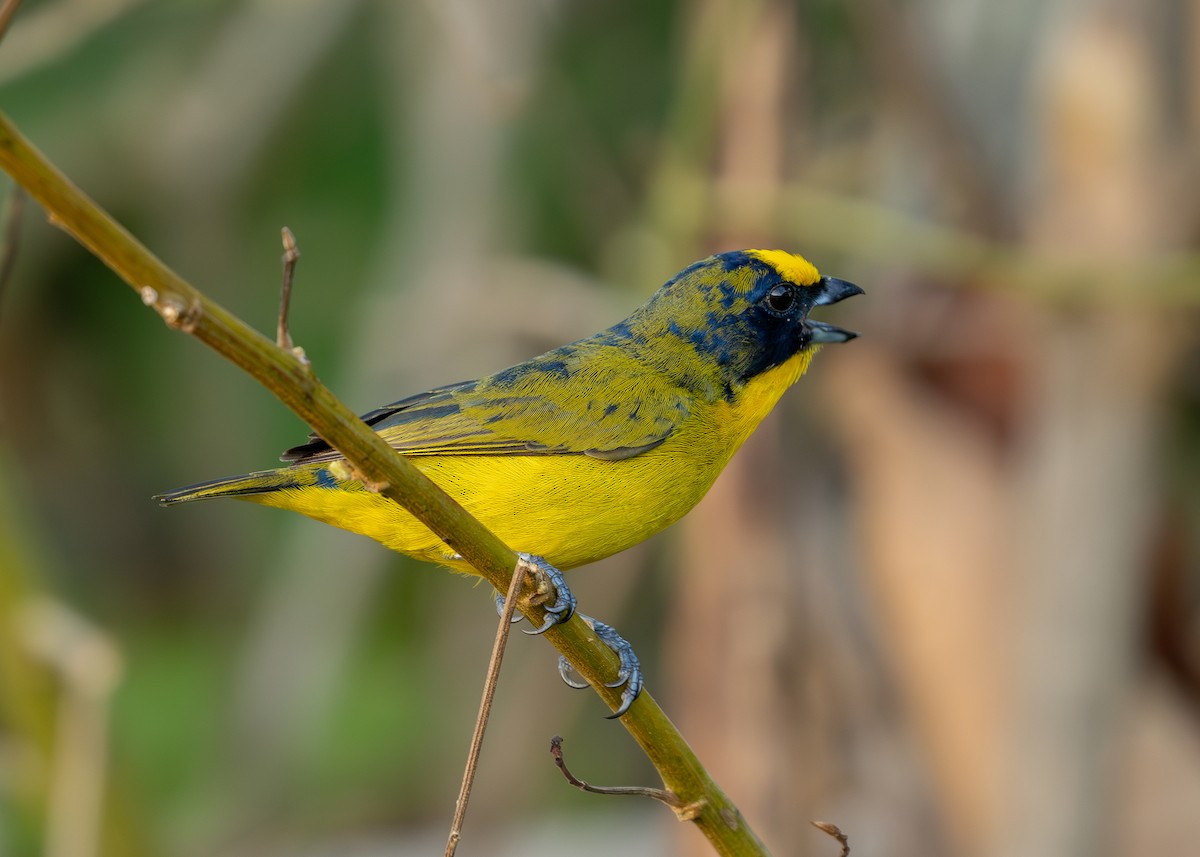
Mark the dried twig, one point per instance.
(291, 254)
(485, 704)
(669, 798)
(836, 832)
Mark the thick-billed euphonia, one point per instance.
(592, 447)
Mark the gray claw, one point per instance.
(516, 617)
(629, 674)
(569, 676)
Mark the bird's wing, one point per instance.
(537, 408)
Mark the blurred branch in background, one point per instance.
(233, 104)
(10, 236)
(878, 233)
(88, 668)
(57, 676)
(1086, 456)
(45, 32)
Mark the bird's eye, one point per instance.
(781, 298)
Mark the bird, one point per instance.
(579, 453)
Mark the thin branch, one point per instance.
(876, 234)
(292, 381)
(485, 704)
(666, 797)
(291, 255)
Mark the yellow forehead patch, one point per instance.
(795, 269)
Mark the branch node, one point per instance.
(691, 811)
(175, 313)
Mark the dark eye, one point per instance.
(781, 298)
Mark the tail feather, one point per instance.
(262, 482)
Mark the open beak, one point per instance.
(823, 333)
(831, 291)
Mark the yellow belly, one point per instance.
(571, 509)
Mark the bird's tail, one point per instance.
(262, 482)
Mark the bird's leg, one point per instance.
(546, 580)
(629, 674)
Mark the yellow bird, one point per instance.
(592, 447)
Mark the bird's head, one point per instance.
(742, 313)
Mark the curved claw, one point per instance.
(549, 622)
(516, 617)
(629, 674)
(567, 673)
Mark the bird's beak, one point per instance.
(832, 290)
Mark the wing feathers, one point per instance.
(531, 409)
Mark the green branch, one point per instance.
(291, 380)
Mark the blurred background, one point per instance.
(948, 597)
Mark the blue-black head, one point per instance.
(742, 312)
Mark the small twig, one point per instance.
(12, 232)
(485, 705)
(669, 798)
(6, 15)
(836, 832)
(291, 253)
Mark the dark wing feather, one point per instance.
(560, 403)
(428, 406)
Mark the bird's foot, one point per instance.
(629, 674)
(548, 582)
